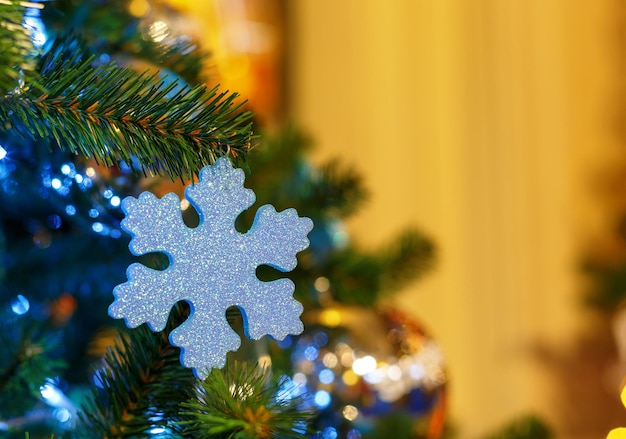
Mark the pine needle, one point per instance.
(139, 386)
(242, 402)
(118, 115)
(27, 350)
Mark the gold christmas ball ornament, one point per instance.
(364, 366)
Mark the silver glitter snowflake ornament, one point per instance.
(212, 267)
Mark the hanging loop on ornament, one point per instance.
(226, 148)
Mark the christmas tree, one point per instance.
(83, 127)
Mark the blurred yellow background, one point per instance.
(485, 123)
(494, 126)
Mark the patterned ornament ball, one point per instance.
(212, 266)
(366, 369)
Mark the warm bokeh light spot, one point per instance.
(138, 8)
(617, 433)
(350, 378)
(330, 318)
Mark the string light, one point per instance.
(310, 353)
(350, 412)
(364, 365)
(322, 398)
(50, 393)
(321, 284)
(329, 433)
(158, 31)
(62, 414)
(99, 228)
(20, 305)
(65, 410)
(300, 378)
(330, 360)
(326, 376)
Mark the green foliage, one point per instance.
(608, 290)
(26, 361)
(17, 54)
(114, 115)
(109, 28)
(140, 385)
(282, 176)
(529, 427)
(362, 278)
(242, 402)
(181, 57)
(406, 259)
(396, 425)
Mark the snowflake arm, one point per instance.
(145, 288)
(274, 239)
(144, 284)
(204, 340)
(166, 221)
(272, 310)
(220, 197)
(273, 230)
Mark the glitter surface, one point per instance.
(212, 267)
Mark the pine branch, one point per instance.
(410, 257)
(361, 278)
(282, 177)
(242, 402)
(117, 115)
(17, 53)
(527, 427)
(338, 191)
(142, 384)
(109, 28)
(181, 56)
(282, 151)
(608, 284)
(26, 360)
(355, 277)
